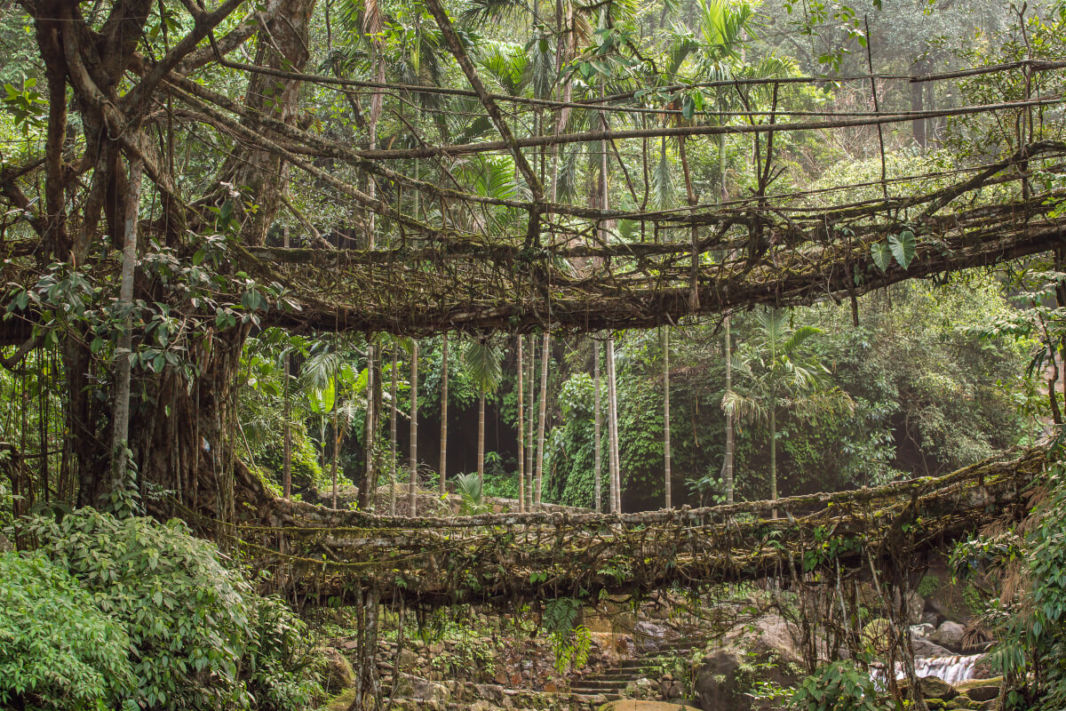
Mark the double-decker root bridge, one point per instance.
(320, 553)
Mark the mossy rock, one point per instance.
(980, 690)
(933, 688)
(875, 635)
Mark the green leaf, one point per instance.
(881, 254)
(902, 246)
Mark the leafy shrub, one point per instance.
(57, 650)
(199, 636)
(839, 686)
(470, 490)
(1031, 628)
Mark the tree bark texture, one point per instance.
(412, 489)
(612, 431)
(530, 370)
(727, 465)
(597, 468)
(444, 416)
(521, 428)
(542, 414)
(666, 417)
(393, 432)
(121, 418)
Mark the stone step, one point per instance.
(592, 696)
(608, 673)
(600, 683)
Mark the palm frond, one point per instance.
(744, 408)
(798, 337)
(484, 364)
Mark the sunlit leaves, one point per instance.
(902, 245)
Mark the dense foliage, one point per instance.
(58, 650)
(147, 614)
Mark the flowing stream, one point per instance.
(954, 669)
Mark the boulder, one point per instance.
(949, 634)
(408, 659)
(933, 688)
(423, 690)
(717, 684)
(339, 674)
(923, 647)
(943, 597)
(983, 693)
(980, 689)
(763, 650)
(770, 634)
(650, 637)
(922, 630)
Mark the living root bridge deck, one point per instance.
(332, 553)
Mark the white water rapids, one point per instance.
(954, 670)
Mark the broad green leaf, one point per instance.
(882, 255)
(902, 246)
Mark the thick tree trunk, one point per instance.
(262, 173)
(666, 417)
(542, 415)
(184, 442)
(521, 433)
(444, 417)
(412, 489)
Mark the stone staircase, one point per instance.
(614, 681)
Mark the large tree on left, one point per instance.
(113, 79)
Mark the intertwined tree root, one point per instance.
(318, 552)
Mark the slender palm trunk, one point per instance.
(481, 438)
(286, 435)
(531, 369)
(666, 416)
(612, 432)
(333, 464)
(444, 418)
(730, 444)
(727, 465)
(121, 418)
(370, 434)
(393, 431)
(413, 485)
(773, 456)
(521, 432)
(597, 473)
(542, 413)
